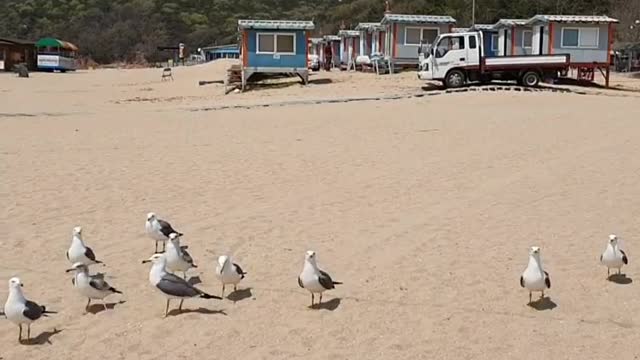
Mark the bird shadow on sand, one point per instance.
(194, 280)
(330, 305)
(43, 338)
(543, 304)
(98, 308)
(620, 279)
(240, 295)
(176, 312)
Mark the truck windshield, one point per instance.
(449, 43)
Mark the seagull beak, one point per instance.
(146, 261)
(21, 285)
(69, 270)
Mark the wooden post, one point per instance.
(394, 40)
(609, 46)
(513, 41)
(245, 48)
(551, 39)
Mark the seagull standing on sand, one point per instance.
(613, 257)
(229, 272)
(159, 230)
(91, 286)
(178, 259)
(314, 279)
(21, 311)
(78, 252)
(534, 277)
(172, 286)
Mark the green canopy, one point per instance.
(51, 42)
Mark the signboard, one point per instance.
(1, 64)
(48, 60)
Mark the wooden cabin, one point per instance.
(371, 38)
(490, 38)
(349, 46)
(405, 34)
(274, 47)
(334, 42)
(14, 51)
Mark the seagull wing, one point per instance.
(187, 257)
(300, 282)
(89, 254)
(547, 280)
(522, 281)
(177, 286)
(326, 281)
(625, 259)
(98, 283)
(166, 229)
(239, 270)
(32, 311)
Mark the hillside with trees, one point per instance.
(123, 30)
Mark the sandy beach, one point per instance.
(425, 208)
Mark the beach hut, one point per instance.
(490, 38)
(14, 51)
(349, 47)
(515, 37)
(587, 39)
(274, 47)
(56, 55)
(371, 38)
(404, 35)
(212, 53)
(333, 41)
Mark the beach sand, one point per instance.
(425, 208)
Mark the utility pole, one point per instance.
(473, 12)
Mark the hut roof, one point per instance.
(417, 19)
(591, 19)
(276, 24)
(331, 38)
(12, 41)
(504, 23)
(459, 30)
(369, 26)
(51, 42)
(348, 33)
(482, 27)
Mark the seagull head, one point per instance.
(77, 231)
(151, 216)
(174, 238)
(310, 256)
(222, 260)
(613, 239)
(78, 267)
(15, 283)
(534, 251)
(155, 259)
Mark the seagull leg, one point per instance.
(86, 308)
(223, 290)
(20, 333)
(29, 332)
(529, 297)
(312, 299)
(608, 272)
(105, 305)
(180, 307)
(164, 246)
(320, 302)
(235, 287)
(184, 273)
(542, 296)
(156, 247)
(166, 310)
(619, 269)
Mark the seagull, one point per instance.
(80, 253)
(159, 230)
(91, 286)
(178, 259)
(613, 257)
(21, 311)
(534, 277)
(172, 286)
(228, 272)
(314, 279)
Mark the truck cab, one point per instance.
(451, 51)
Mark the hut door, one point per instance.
(536, 47)
(502, 43)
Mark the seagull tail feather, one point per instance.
(207, 296)
(194, 265)
(114, 290)
(337, 283)
(45, 311)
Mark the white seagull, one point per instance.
(78, 252)
(21, 311)
(178, 259)
(313, 279)
(159, 230)
(91, 286)
(172, 286)
(613, 257)
(229, 272)
(534, 277)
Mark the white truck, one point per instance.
(457, 59)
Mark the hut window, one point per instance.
(527, 39)
(418, 36)
(494, 42)
(580, 38)
(270, 43)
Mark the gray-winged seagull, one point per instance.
(78, 252)
(613, 257)
(313, 279)
(21, 311)
(178, 258)
(159, 230)
(170, 285)
(91, 286)
(228, 272)
(534, 278)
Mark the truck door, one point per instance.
(474, 42)
(450, 52)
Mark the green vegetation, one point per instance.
(112, 30)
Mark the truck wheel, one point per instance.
(455, 79)
(530, 79)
